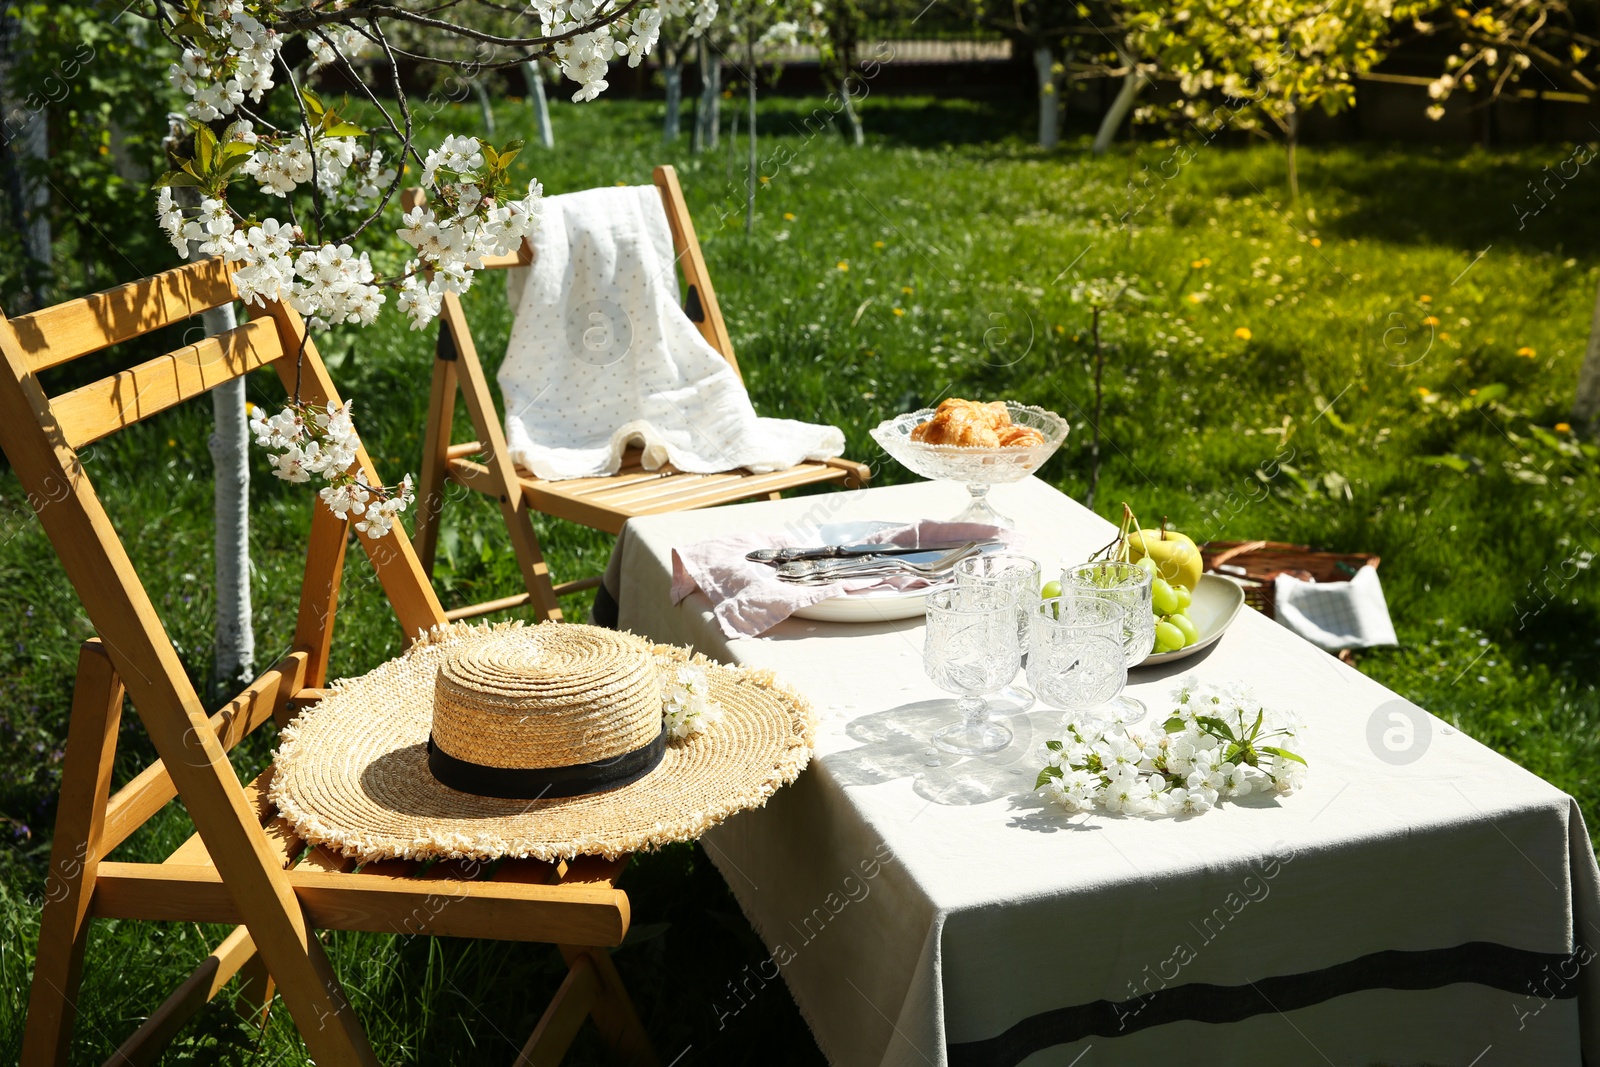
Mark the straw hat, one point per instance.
(544, 741)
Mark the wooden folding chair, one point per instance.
(603, 503)
(244, 865)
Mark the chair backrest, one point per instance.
(41, 436)
(700, 297)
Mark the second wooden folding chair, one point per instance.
(602, 503)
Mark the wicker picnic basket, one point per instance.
(1254, 565)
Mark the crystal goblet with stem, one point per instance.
(1018, 575)
(1127, 585)
(971, 650)
(1076, 660)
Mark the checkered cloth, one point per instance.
(1336, 615)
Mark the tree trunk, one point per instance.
(852, 120)
(1292, 138)
(708, 116)
(1586, 405)
(752, 177)
(672, 71)
(234, 644)
(484, 110)
(25, 145)
(541, 103)
(1044, 64)
(1112, 121)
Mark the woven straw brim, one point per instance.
(352, 773)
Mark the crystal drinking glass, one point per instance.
(971, 650)
(1076, 662)
(1019, 576)
(1128, 586)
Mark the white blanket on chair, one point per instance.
(602, 357)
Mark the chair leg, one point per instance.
(530, 559)
(74, 857)
(613, 1012)
(435, 459)
(548, 1043)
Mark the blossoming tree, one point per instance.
(1272, 60)
(289, 194)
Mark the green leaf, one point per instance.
(1216, 726)
(189, 28)
(341, 128)
(205, 147)
(1045, 776)
(1173, 724)
(1053, 746)
(313, 102)
(176, 179)
(1284, 753)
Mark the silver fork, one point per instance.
(832, 570)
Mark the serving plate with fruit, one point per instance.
(1192, 609)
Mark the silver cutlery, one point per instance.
(874, 566)
(849, 552)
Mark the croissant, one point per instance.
(974, 425)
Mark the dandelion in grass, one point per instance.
(1431, 320)
(1562, 427)
(841, 265)
(1243, 333)
(1526, 353)
(788, 216)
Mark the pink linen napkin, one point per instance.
(748, 599)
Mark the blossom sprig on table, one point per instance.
(688, 708)
(1213, 746)
(309, 440)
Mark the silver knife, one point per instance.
(776, 556)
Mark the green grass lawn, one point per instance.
(1383, 368)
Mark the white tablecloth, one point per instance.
(931, 910)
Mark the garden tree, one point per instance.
(1496, 46)
(533, 74)
(680, 34)
(1069, 42)
(708, 110)
(1271, 60)
(762, 27)
(837, 35)
(290, 184)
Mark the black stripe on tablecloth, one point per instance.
(1479, 962)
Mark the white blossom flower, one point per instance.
(687, 708)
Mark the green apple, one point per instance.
(1174, 554)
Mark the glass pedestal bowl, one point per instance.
(976, 468)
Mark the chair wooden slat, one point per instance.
(376, 903)
(56, 335)
(91, 412)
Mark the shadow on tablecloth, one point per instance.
(895, 745)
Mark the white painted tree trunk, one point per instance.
(485, 111)
(672, 72)
(234, 646)
(858, 136)
(541, 103)
(708, 116)
(1044, 67)
(1117, 113)
(752, 177)
(1586, 405)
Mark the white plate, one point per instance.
(884, 605)
(1216, 602)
